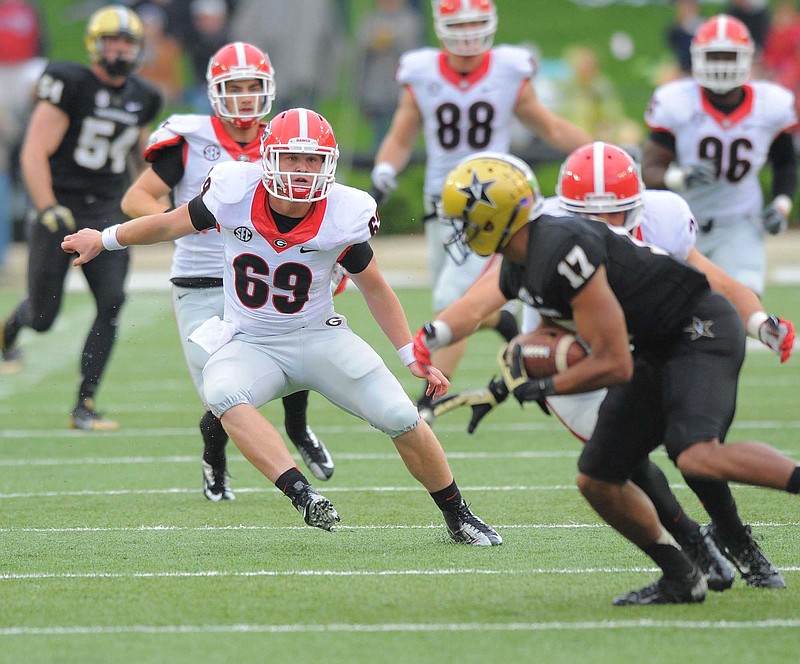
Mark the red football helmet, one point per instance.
(722, 54)
(299, 131)
(239, 61)
(598, 178)
(449, 17)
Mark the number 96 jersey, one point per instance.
(104, 126)
(276, 282)
(737, 143)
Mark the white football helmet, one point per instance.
(722, 54)
(450, 17)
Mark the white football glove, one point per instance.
(384, 180)
(775, 216)
(679, 178)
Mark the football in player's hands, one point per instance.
(549, 350)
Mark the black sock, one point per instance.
(295, 407)
(447, 499)
(720, 504)
(292, 482)
(670, 559)
(507, 326)
(793, 486)
(214, 439)
(651, 479)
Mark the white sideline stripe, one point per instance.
(265, 573)
(301, 628)
(127, 434)
(327, 490)
(167, 528)
(348, 456)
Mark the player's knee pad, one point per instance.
(399, 418)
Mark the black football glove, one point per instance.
(482, 401)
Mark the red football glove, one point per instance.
(424, 343)
(778, 335)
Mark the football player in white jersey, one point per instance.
(711, 135)
(601, 180)
(463, 97)
(668, 347)
(285, 224)
(241, 88)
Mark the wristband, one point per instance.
(443, 333)
(406, 353)
(109, 238)
(755, 322)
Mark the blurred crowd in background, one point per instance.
(181, 35)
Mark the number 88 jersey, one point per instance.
(104, 127)
(737, 142)
(462, 115)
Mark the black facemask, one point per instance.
(118, 67)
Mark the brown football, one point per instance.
(548, 350)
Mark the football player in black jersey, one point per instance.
(677, 387)
(86, 124)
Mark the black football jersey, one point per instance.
(104, 127)
(656, 291)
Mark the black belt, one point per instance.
(197, 282)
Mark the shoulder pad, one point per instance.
(414, 63)
(170, 133)
(231, 180)
(515, 57)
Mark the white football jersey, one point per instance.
(205, 143)
(275, 283)
(737, 143)
(462, 115)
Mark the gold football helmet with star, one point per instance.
(488, 197)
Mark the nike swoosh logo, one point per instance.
(305, 250)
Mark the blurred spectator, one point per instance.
(382, 36)
(681, 31)
(208, 32)
(161, 55)
(304, 41)
(755, 14)
(591, 101)
(21, 64)
(781, 60)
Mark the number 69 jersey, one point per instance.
(656, 292)
(463, 114)
(104, 127)
(738, 143)
(279, 282)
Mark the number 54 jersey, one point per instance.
(737, 142)
(276, 282)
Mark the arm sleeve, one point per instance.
(168, 165)
(201, 217)
(356, 258)
(784, 165)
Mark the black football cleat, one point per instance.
(702, 550)
(688, 590)
(744, 552)
(85, 417)
(316, 509)
(313, 451)
(464, 527)
(216, 484)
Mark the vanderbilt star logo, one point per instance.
(476, 192)
(699, 328)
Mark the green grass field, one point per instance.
(110, 553)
